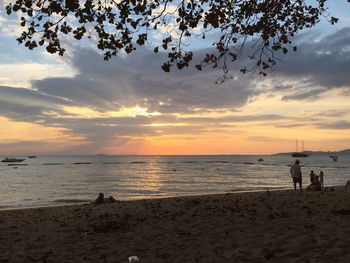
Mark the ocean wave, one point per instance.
(216, 162)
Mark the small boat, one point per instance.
(301, 154)
(31, 156)
(12, 160)
(298, 154)
(261, 160)
(334, 157)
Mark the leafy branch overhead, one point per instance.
(122, 25)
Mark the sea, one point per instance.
(62, 180)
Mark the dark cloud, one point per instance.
(282, 87)
(29, 96)
(331, 113)
(28, 105)
(233, 118)
(138, 80)
(290, 125)
(335, 125)
(80, 91)
(318, 66)
(309, 95)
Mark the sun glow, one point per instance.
(132, 112)
(88, 113)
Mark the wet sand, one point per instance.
(281, 226)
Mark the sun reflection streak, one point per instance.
(151, 180)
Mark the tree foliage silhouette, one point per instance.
(122, 25)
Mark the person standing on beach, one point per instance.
(295, 172)
(321, 178)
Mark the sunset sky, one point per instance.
(81, 104)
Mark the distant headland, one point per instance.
(342, 152)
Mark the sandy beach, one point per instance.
(280, 226)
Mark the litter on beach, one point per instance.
(134, 259)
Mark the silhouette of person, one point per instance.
(295, 171)
(347, 186)
(321, 178)
(315, 185)
(100, 199)
(312, 176)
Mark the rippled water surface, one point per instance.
(54, 180)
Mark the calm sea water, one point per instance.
(56, 180)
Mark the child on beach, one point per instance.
(312, 176)
(315, 185)
(321, 178)
(347, 186)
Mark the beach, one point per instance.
(272, 226)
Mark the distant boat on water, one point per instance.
(12, 160)
(301, 154)
(334, 157)
(31, 156)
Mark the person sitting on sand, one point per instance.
(100, 199)
(312, 176)
(296, 174)
(110, 200)
(347, 186)
(321, 178)
(315, 185)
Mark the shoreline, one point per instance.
(336, 187)
(231, 227)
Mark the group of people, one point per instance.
(102, 200)
(316, 181)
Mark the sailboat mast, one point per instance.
(302, 153)
(302, 145)
(297, 145)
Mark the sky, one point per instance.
(81, 104)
